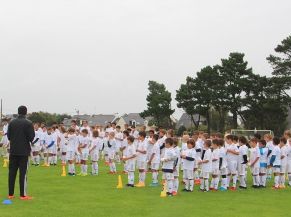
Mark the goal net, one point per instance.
(250, 133)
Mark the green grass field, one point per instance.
(97, 196)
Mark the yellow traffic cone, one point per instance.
(64, 171)
(120, 185)
(164, 191)
(5, 163)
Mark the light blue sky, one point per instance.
(97, 56)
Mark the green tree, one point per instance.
(235, 76)
(159, 105)
(47, 118)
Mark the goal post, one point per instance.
(250, 133)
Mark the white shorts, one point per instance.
(4, 140)
(205, 175)
(263, 170)
(283, 169)
(188, 174)
(289, 167)
(255, 171)
(223, 171)
(155, 166)
(215, 172)
(168, 176)
(111, 155)
(276, 169)
(63, 149)
(70, 155)
(232, 167)
(177, 171)
(130, 166)
(94, 157)
(35, 148)
(141, 165)
(85, 156)
(242, 169)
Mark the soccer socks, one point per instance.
(112, 167)
(71, 168)
(131, 178)
(142, 176)
(187, 184)
(170, 186)
(191, 184)
(282, 180)
(263, 180)
(49, 160)
(228, 181)
(202, 186)
(155, 177)
(242, 181)
(206, 184)
(176, 184)
(85, 169)
(276, 180)
(234, 177)
(216, 183)
(224, 183)
(95, 168)
(196, 175)
(269, 173)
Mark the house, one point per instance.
(133, 119)
(186, 121)
(93, 120)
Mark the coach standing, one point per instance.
(20, 134)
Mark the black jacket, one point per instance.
(20, 134)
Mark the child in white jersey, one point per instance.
(275, 162)
(94, 151)
(232, 154)
(255, 162)
(243, 160)
(206, 166)
(154, 160)
(123, 149)
(188, 155)
(72, 145)
(283, 169)
(215, 165)
(63, 146)
(119, 140)
(269, 140)
(141, 158)
(84, 143)
(263, 163)
(49, 145)
(168, 161)
(177, 167)
(111, 147)
(222, 165)
(36, 146)
(129, 156)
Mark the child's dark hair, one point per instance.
(151, 131)
(243, 140)
(254, 140)
(257, 136)
(142, 134)
(263, 142)
(216, 142)
(230, 137)
(156, 137)
(126, 133)
(283, 140)
(85, 131)
(118, 127)
(191, 142)
(71, 130)
(131, 139)
(95, 133)
(169, 141)
(276, 141)
(208, 143)
(235, 138)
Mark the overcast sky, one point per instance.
(98, 55)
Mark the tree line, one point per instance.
(230, 89)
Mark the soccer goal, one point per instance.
(250, 133)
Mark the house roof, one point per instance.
(134, 116)
(92, 120)
(185, 120)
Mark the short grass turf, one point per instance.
(97, 196)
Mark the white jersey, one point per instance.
(199, 148)
(169, 160)
(150, 147)
(130, 151)
(96, 145)
(207, 167)
(110, 146)
(85, 143)
(277, 153)
(119, 140)
(284, 152)
(157, 152)
(189, 162)
(50, 141)
(289, 153)
(141, 146)
(230, 156)
(255, 154)
(36, 139)
(72, 143)
(243, 150)
(264, 157)
(215, 159)
(63, 146)
(135, 134)
(178, 153)
(222, 155)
